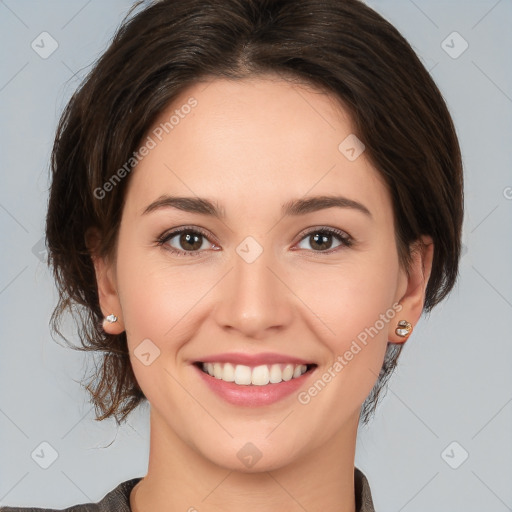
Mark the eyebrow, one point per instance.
(313, 204)
(187, 204)
(294, 207)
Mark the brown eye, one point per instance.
(321, 240)
(190, 241)
(185, 241)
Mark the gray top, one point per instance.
(118, 500)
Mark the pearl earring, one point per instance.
(111, 319)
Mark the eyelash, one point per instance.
(165, 237)
(346, 240)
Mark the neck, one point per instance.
(181, 479)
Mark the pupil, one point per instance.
(193, 240)
(320, 240)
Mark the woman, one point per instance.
(252, 204)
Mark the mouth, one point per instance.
(261, 375)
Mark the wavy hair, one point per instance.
(339, 46)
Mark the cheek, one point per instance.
(355, 304)
(158, 298)
(351, 297)
(358, 311)
(157, 303)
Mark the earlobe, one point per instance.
(108, 324)
(413, 299)
(106, 284)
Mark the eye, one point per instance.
(321, 239)
(186, 241)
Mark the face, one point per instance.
(257, 274)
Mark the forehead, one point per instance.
(258, 141)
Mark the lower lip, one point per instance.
(250, 395)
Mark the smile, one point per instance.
(258, 375)
(255, 387)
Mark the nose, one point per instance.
(254, 299)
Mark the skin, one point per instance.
(251, 146)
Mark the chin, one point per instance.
(244, 456)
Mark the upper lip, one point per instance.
(252, 359)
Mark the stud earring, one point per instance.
(403, 329)
(111, 319)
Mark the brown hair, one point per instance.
(339, 46)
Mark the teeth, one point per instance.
(257, 376)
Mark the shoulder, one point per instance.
(117, 500)
(364, 501)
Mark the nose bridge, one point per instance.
(253, 300)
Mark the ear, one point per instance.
(106, 282)
(412, 287)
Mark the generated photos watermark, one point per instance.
(304, 397)
(157, 135)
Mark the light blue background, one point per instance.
(454, 381)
